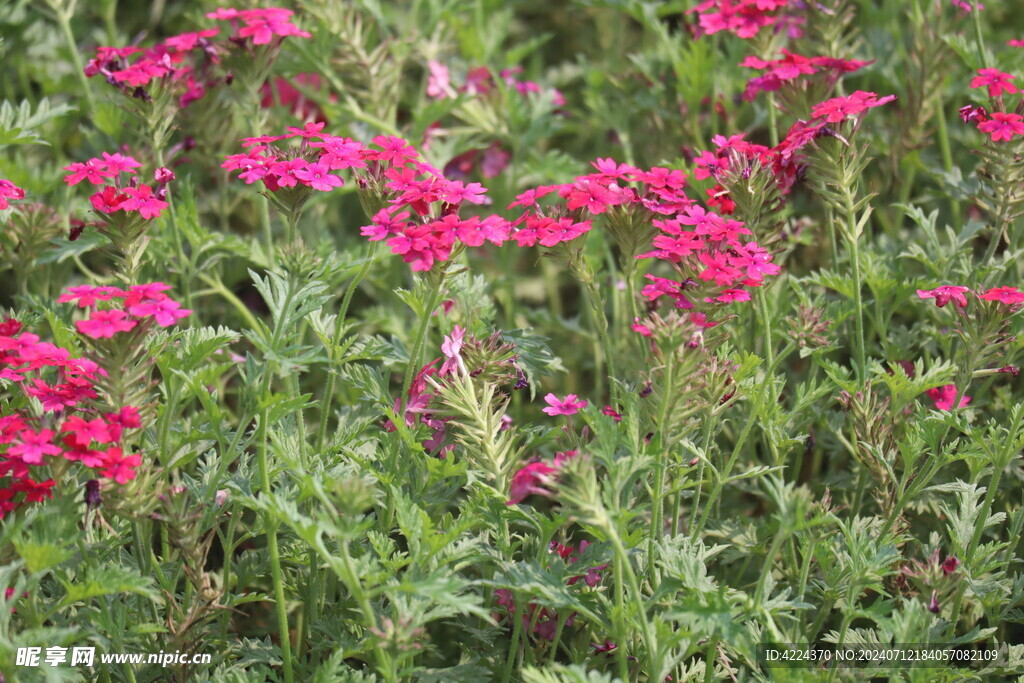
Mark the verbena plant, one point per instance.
(475, 340)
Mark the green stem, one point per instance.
(601, 323)
(63, 16)
(421, 335)
(947, 154)
(710, 655)
(355, 588)
(657, 503)
(999, 464)
(513, 647)
(766, 325)
(979, 40)
(339, 329)
(833, 241)
(854, 244)
(780, 537)
(269, 523)
(721, 477)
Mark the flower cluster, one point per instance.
(543, 622)
(261, 26)
(398, 182)
(1000, 125)
(534, 478)
(183, 64)
(627, 196)
(943, 294)
(68, 425)
(838, 117)
(9, 191)
(735, 159)
(135, 306)
(419, 409)
(480, 81)
(700, 243)
(744, 18)
(932, 576)
(124, 194)
(791, 67)
(490, 361)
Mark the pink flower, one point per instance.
(944, 397)
(393, 149)
(87, 295)
(105, 324)
(184, 42)
(119, 467)
(1003, 126)
(118, 163)
(530, 480)
(53, 398)
(108, 200)
(83, 432)
(838, 109)
(438, 81)
(9, 190)
(1006, 295)
(730, 295)
(143, 200)
(570, 405)
(32, 446)
(163, 175)
(450, 347)
(149, 301)
(94, 170)
(996, 81)
(319, 177)
(641, 329)
(944, 294)
(965, 6)
(612, 413)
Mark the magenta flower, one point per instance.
(731, 295)
(143, 200)
(1003, 126)
(8, 191)
(612, 413)
(108, 200)
(450, 347)
(87, 295)
(105, 324)
(163, 309)
(119, 163)
(32, 446)
(944, 294)
(997, 82)
(94, 170)
(570, 405)
(965, 6)
(837, 109)
(944, 397)
(530, 480)
(438, 81)
(318, 176)
(119, 467)
(1005, 295)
